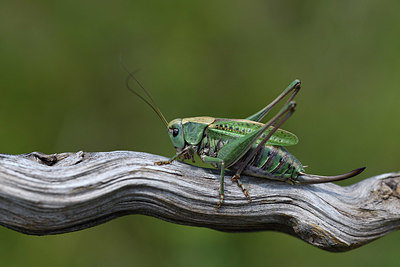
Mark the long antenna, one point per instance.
(151, 103)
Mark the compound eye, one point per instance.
(175, 132)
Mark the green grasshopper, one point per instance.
(244, 146)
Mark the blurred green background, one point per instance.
(62, 89)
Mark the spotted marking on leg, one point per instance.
(159, 163)
(235, 178)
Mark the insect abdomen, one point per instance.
(272, 162)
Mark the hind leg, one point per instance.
(294, 87)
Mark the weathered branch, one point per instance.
(49, 194)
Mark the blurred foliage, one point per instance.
(62, 89)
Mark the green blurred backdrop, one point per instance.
(62, 89)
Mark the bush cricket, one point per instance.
(245, 146)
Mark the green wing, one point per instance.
(228, 129)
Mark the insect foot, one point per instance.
(221, 201)
(159, 163)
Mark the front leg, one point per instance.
(186, 153)
(168, 161)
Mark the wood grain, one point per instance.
(52, 194)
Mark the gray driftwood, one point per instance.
(51, 194)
